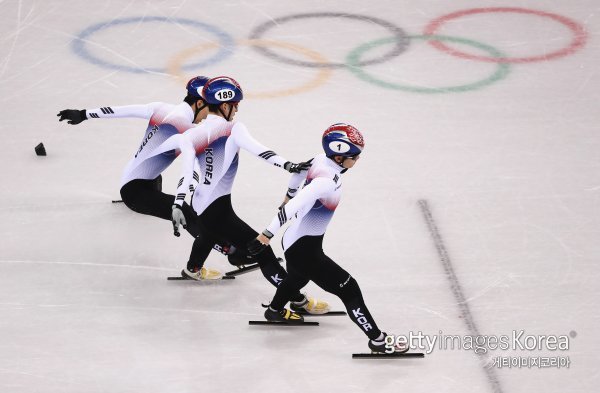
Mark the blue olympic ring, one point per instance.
(79, 44)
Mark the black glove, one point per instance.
(255, 247)
(297, 168)
(74, 116)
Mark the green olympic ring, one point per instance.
(353, 61)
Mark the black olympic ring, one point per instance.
(402, 40)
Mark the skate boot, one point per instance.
(201, 274)
(284, 315)
(310, 306)
(380, 346)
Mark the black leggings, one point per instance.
(219, 221)
(306, 262)
(145, 197)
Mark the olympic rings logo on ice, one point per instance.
(175, 65)
(80, 44)
(356, 62)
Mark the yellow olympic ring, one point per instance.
(175, 63)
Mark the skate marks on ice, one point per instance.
(92, 264)
(457, 291)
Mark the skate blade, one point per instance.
(179, 278)
(242, 269)
(305, 313)
(278, 323)
(393, 355)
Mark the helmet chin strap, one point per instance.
(342, 165)
(199, 108)
(344, 170)
(227, 117)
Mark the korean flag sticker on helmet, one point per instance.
(225, 95)
(339, 146)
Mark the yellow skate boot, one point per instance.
(201, 274)
(310, 306)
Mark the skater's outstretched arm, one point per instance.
(76, 116)
(244, 140)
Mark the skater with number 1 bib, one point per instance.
(310, 210)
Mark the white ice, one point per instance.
(510, 172)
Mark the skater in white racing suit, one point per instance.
(216, 144)
(310, 211)
(141, 181)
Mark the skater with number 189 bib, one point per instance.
(312, 208)
(141, 182)
(215, 144)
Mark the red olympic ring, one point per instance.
(579, 35)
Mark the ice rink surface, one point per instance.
(474, 210)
